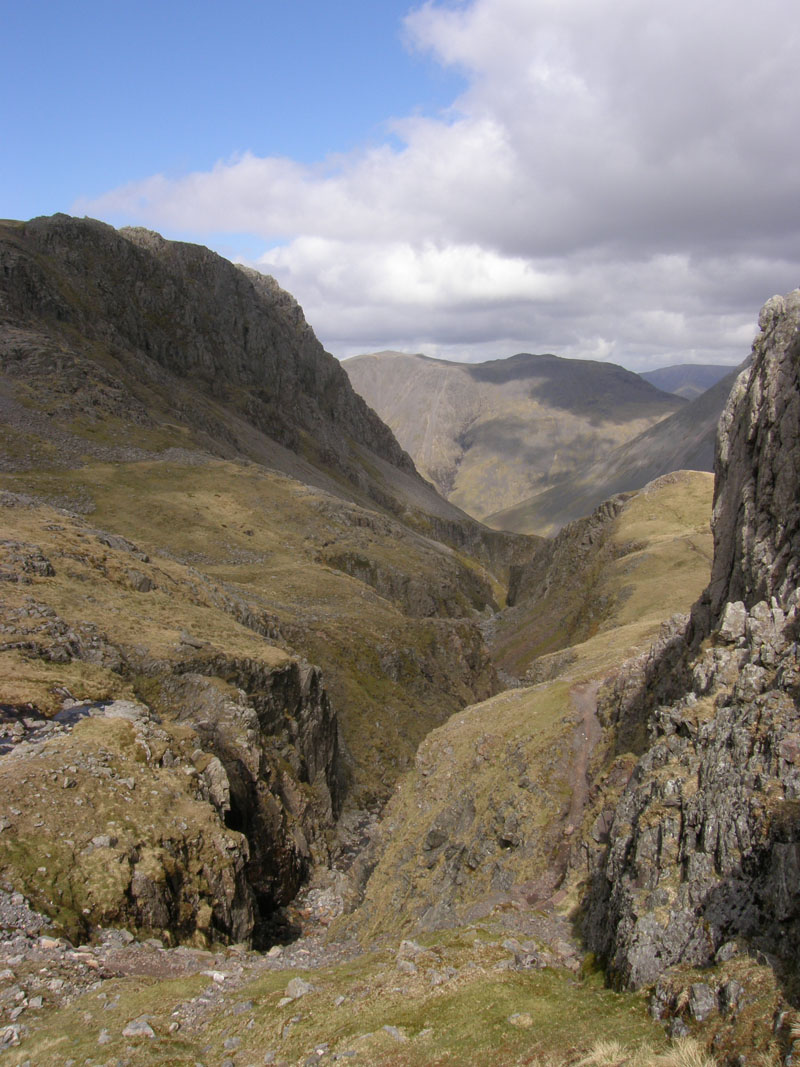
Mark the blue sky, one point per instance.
(468, 178)
(100, 94)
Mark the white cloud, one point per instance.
(619, 179)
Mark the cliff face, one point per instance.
(702, 857)
(232, 333)
(109, 700)
(757, 504)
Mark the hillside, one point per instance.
(197, 507)
(482, 820)
(119, 345)
(302, 765)
(688, 380)
(682, 441)
(491, 434)
(653, 802)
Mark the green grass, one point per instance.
(264, 537)
(479, 1015)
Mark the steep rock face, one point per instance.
(757, 504)
(232, 333)
(703, 851)
(271, 762)
(704, 848)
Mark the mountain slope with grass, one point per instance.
(119, 345)
(491, 434)
(682, 441)
(303, 765)
(197, 508)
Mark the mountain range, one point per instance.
(682, 441)
(303, 764)
(545, 438)
(489, 435)
(688, 380)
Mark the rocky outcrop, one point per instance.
(269, 762)
(757, 503)
(109, 823)
(246, 787)
(182, 309)
(702, 855)
(704, 847)
(236, 741)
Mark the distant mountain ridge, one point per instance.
(491, 434)
(683, 441)
(688, 380)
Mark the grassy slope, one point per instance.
(482, 1013)
(392, 675)
(498, 778)
(491, 434)
(461, 1003)
(653, 563)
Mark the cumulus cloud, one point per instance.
(619, 180)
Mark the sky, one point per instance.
(603, 179)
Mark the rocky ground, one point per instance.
(45, 978)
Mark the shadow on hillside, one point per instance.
(597, 391)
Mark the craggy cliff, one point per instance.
(158, 779)
(701, 859)
(163, 308)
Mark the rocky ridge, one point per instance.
(249, 344)
(703, 855)
(118, 345)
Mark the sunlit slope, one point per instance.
(491, 434)
(485, 819)
(684, 441)
(388, 614)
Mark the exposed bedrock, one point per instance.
(702, 858)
